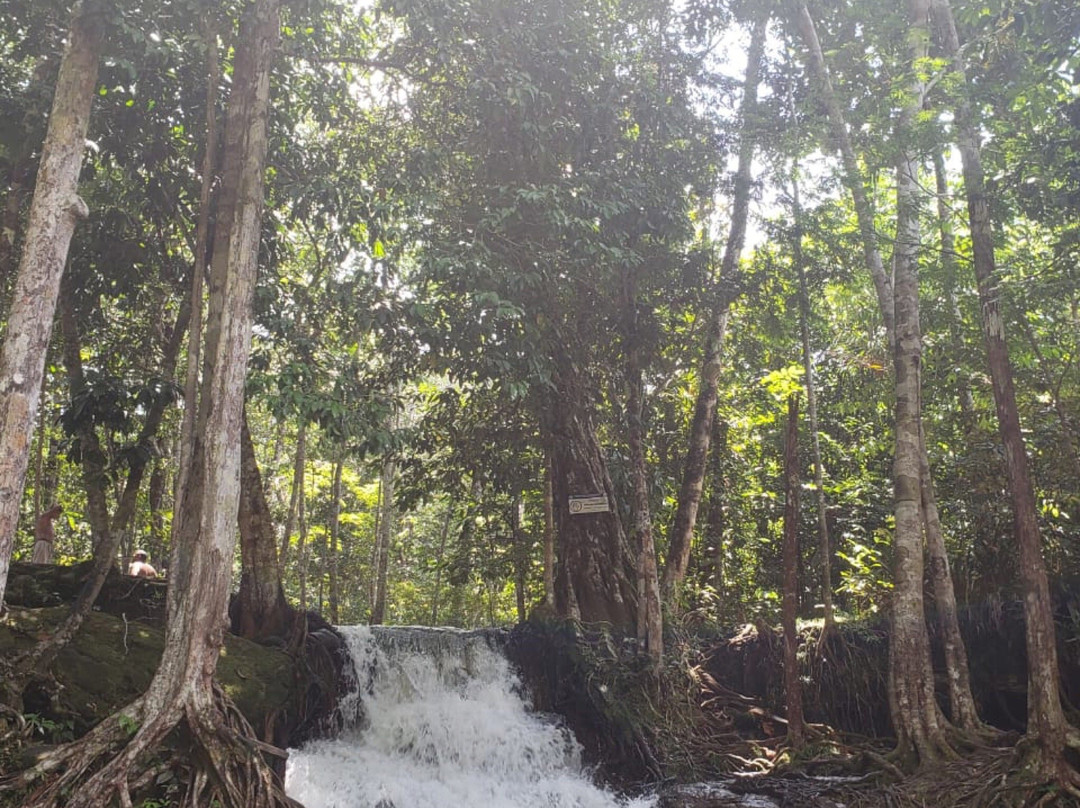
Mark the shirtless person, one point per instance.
(138, 566)
(44, 536)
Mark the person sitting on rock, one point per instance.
(45, 535)
(139, 567)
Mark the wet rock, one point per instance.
(710, 795)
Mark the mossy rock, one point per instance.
(111, 661)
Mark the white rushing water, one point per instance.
(438, 721)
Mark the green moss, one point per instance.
(111, 662)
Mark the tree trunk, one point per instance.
(697, 452)
(182, 688)
(439, 562)
(521, 556)
(332, 551)
(596, 580)
(54, 211)
(91, 456)
(792, 689)
(155, 496)
(297, 494)
(950, 272)
(650, 627)
(911, 681)
(259, 609)
(301, 542)
(1047, 725)
(198, 270)
(716, 519)
(549, 533)
(824, 547)
(852, 174)
(384, 537)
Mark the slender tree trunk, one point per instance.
(716, 520)
(54, 211)
(521, 556)
(297, 493)
(439, 562)
(155, 500)
(650, 627)
(1047, 725)
(385, 536)
(852, 174)
(198, 269)
(92, 457)
(796, 729)
(259, 609)
(549, 533)
(301, 542)
(824, 547)
(951, 275)
(332, 550)
(697, 452)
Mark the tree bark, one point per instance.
(443, 535)
(549, 533)
(597, 574)
(650, 627)
(796, 729)
(259, 609)
(385, 535)
(697, 452)
(297, 491)
(332, 550)
(521, 556)
(54, 211)
(1047, 725)
(914, 710)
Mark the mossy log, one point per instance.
(112, 660)
(36, 586)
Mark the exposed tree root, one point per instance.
(210, 750)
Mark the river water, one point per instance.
(438, 719)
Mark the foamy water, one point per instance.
(438, 721)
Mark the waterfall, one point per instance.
(438, 720)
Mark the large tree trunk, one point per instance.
(384, 537)
(792, 688)
(259, 609)
(596, 573)
(911, 681)
(182, 688)
(54, 211)
(697, 451)
(1047, 725)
